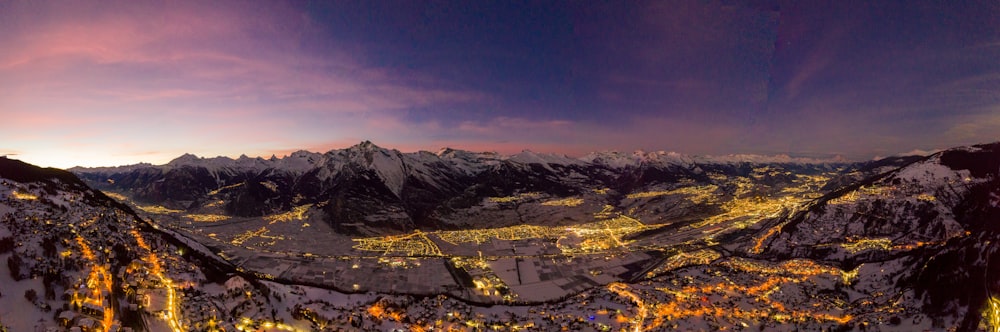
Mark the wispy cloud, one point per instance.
(218, 73)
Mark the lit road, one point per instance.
(172, 313)
(99, 280)
(642, 311)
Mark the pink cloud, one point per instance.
(814, 64)
(106, 36)
(189, 77)
(504, 125)
(196, 50)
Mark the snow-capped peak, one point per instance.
(185, 159)
(546, 159)
(365, 146)
(618, 160)
(304, 154)
(445, 151)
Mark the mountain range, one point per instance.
(366, 189)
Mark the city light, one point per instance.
(296, 213)
(206, 217)
(991, 314)
(24, 195)
(172, 313)
(156, 209)
(100, 282)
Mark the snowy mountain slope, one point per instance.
(914, 206)
(932, 224)
(74, 259)
(67, 250)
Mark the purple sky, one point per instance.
(107, 83)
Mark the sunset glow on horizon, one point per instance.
(120, 82)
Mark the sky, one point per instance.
(100, 83)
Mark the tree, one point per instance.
(31, 295)
(6, 244)
(14, 264)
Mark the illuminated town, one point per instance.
(728, 261)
